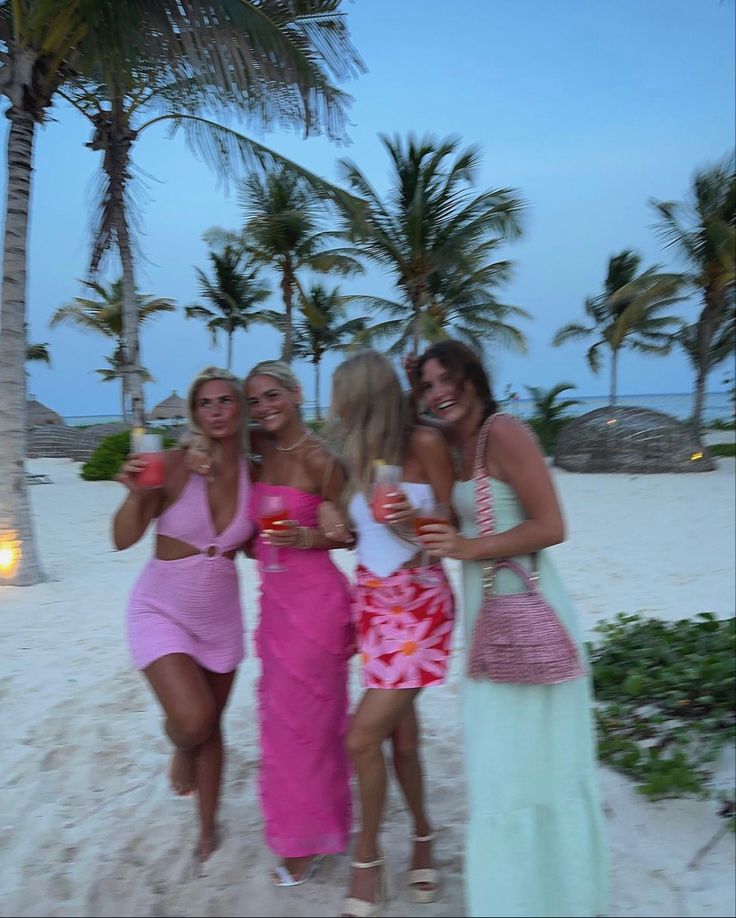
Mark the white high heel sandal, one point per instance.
(360, 908)
(427, 875)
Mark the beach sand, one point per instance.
(89, 826)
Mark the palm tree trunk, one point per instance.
(132, 366)
(229, 349)
(16, 525)
(114, 137)
(287, 290)
(614, 372)
(419, 300)
(707, 323)
(318, 411)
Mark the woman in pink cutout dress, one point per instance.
(304, 637)
(184, 622)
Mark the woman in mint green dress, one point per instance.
(535, 843)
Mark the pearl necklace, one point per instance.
(287, 449)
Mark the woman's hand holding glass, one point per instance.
(285, 536)
(274, 519)
(130, 472)
(442, 540)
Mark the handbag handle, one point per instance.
(529, 580)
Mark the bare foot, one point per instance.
(207, 845)
(182, 773)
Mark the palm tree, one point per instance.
(703, 230)
(43, 43)
(271, 60)
(282, 211)
(722, 346)
(627, 313)
(323, 328)
(434, 234)
(39, 352)
(277, 57)
(234, 291)
(549, 414)
(463, 306)
(105, 316)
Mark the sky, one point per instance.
(588, 109)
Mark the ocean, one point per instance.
(718, 406)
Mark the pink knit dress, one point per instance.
(304, 640)
(192, 605)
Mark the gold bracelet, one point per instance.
(305, 538)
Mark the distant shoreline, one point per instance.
(718, 406)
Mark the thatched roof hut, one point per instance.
(173, 408)
(39, 415)
(634, 440)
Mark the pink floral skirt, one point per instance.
(404, 627)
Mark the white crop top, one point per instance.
(379, 549)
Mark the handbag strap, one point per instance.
(483, 492)
(485, 517)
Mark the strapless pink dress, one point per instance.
(304, 640)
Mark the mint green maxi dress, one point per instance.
(535, 842)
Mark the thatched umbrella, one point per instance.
(173, 408)
(39, 415)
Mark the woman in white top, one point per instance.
(403, 612)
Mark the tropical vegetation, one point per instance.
(437, 236)
(273, 62)
(283, 214)
(549, 415)
(665, 699)
(323, 328)
(234, 291)
(104, 315)
(627, 314)
(702, 230)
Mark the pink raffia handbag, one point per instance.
(517, 638)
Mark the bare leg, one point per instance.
(405, 740)
(209, 762)
(377, 716)
(193, 707)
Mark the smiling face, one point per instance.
(217, 409)
(271, 403)
(446, 397)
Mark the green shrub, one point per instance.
(109, 455)
(548, 429)
(721, 424)
(665, 699)
(724, 450)
(315, 426)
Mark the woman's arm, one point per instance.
(513, 456)
(328, 478)
(140, 506)
(434, 454)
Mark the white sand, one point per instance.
(89, 827)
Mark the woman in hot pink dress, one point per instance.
(304, 637)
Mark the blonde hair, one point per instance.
(369, 417)
(279, 370)
(212, 374)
